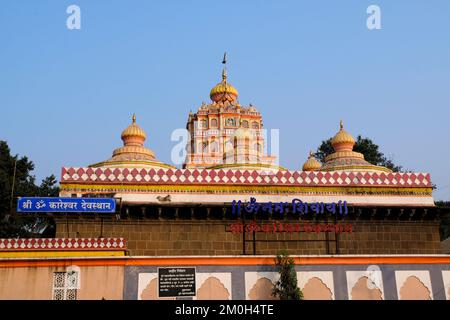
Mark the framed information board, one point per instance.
(176, 282)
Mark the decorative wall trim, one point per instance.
(229, 260)
(62, 244)
(242, 177)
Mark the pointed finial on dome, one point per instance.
(224, 74)
(224, 71)
(134, 118)
(311, 153)
(341, 125)
(223, 91)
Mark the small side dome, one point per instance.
(344, 158)
(342, 140)
(311, 164)
(133, 153)
(133, 131)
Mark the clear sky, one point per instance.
(66, 95)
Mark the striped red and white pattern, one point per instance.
(34, 244)
(241, 177)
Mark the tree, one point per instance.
(367, 147)
(286, 288)
(48, 187)
(23, 182)
(24, 185)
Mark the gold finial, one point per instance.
(224, 71)
(224, 74)
(134, 118)
(311, 153)
(341, 124)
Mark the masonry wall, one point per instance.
(235, 277)
(36, 283)
(209, 237)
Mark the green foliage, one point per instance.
(24, 185)
(370, 150)
(286, 288)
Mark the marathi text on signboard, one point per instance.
(176, 282)
(33, 204)
(279, 227)
(297, 206)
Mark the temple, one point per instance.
(229, 210)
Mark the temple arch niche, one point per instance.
(414, 289)
(361, 290)
(262, 290)
(212, 289)
(316, 289)
(151, 292)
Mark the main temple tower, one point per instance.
(224, 133)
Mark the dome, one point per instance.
(133, 153)
(344, 158)
(133, 131)
(223, 91)
(342, 140)
(311, 164)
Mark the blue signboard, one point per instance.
(32, 204)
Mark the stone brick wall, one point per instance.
(209, 237)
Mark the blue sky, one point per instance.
(66, 95)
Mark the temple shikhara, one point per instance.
(225, 134)
(355, 230)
